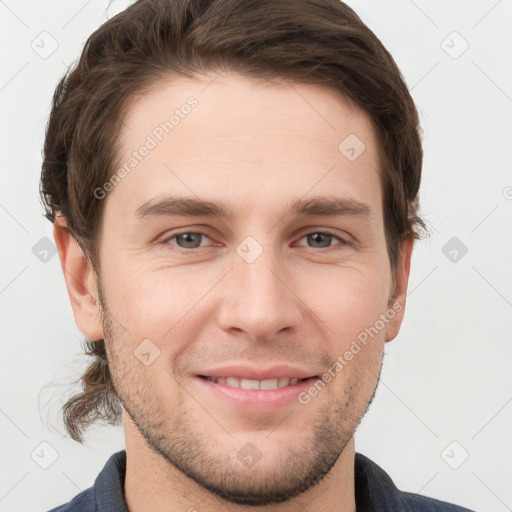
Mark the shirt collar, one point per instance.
(109, 485)
(374, 489)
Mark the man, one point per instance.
(234, 192)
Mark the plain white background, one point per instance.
(445, 397)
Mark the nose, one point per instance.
(259, 298)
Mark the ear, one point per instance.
(80, 281)
(401, 279)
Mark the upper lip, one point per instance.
(247, 372)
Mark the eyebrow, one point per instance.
(191, 207)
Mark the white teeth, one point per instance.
(235, 382)
(249, 384)
(232, 381)
(270, 384)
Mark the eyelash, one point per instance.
(166, 241)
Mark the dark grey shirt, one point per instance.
(374, 489)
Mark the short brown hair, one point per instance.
(307, 41)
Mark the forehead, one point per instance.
(247, 142)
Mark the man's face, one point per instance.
(263, 290)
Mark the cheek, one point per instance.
(158, 303)
(350, 307)
(348, 300)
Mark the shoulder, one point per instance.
(83, 502)
(375, 491)
(418, 503)
(106, 493)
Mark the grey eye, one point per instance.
(316, 239)
(190, 240)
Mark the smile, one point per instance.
(268, 384)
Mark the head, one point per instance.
(229, 102)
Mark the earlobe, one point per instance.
(80, 281)
(401, 279)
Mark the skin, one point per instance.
(255, 147)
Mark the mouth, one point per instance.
(249, 395)
(267, 384)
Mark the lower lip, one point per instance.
(257, 399)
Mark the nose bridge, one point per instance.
(257, 271)
(259, 278)
(259, 300)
